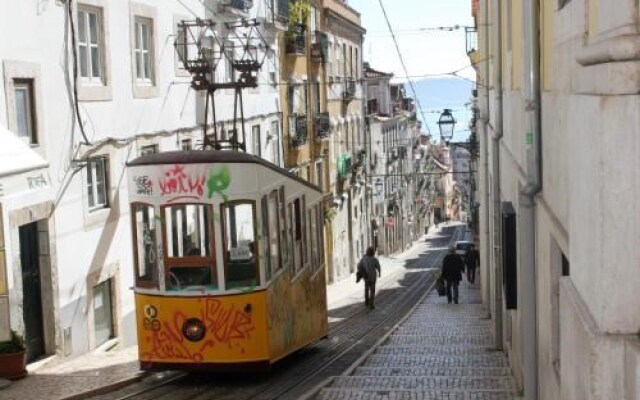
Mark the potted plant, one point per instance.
(13, 357)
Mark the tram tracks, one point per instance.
(349, 338)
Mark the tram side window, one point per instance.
(284, 240)
(319, 227)
(264, 243)
(274, 232)
(290, 241)
(313, 244)
(145, 245)
(297, 235)
(189, 242)
(240, 249)
(305, 236)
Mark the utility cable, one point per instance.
(404, 67)
(74, 51)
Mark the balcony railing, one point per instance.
(296, 40)
(349, 92)
(242, 6)
(298, 130)
(319, 46)
(282, 11)
(322, 125)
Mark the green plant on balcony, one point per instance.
(299, 14)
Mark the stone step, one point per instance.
(352, 394)
(435, 350)
(418, 371)
(467, 383)
(440, 340)
(436, 361)
(444, 331)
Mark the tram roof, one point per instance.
(213, 157)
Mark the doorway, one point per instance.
(32, 291)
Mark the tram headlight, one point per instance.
(194, 330)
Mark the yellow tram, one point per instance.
(229, 261)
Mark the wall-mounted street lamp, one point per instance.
(446, 123)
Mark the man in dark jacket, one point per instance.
(452, 267)
(472, 260)
(367, 268)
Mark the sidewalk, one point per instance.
(100, 372)
(441, 351)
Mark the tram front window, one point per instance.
(239, 243)
(189, 242)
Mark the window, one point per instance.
(313, 237)
(256, 140)
(150, 149)
(143, 51)
(316, 97)
(297, 236)
(188, 245)
(144, 224)
(319, 225)
(103, 312)
(25, 110)
(97, 183)
(185, 144)
(272, 67)
(284, 239)
(320, 175)
(274, 231)
(239, 244)
(90, 44)
(275, 142)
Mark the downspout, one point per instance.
(484, 148)
(527, 197)
(497, 133)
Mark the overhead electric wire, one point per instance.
(404, 67)
(74, 52)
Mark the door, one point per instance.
(32, 292)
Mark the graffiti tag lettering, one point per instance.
(177, 182)
(144, 185)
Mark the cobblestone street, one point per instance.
(441, 351)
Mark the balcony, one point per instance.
(296, 40)
(240, 7)
(298, 130)
(349, 92)
(471, 39)
(319, 46)
(322, 126)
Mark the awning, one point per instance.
(21, 168)
(16, 156)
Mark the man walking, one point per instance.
(367, 270)
(472, 260)
(452, 267)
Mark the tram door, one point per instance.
(31, 289)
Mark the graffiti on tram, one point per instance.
(222, 325)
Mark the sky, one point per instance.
(425, 51)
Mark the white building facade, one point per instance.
(560, 131)
(65, 241)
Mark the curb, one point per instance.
(107, 388)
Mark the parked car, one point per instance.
(462, 246)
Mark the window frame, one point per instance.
(257, 239)
(140, 22)
(188, 261)
(88, 10)
(94, 193)
(142, 14)
(28, 85)
(256, 140)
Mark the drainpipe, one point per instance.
(484, 148)
(527, 198)
(497, 133)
